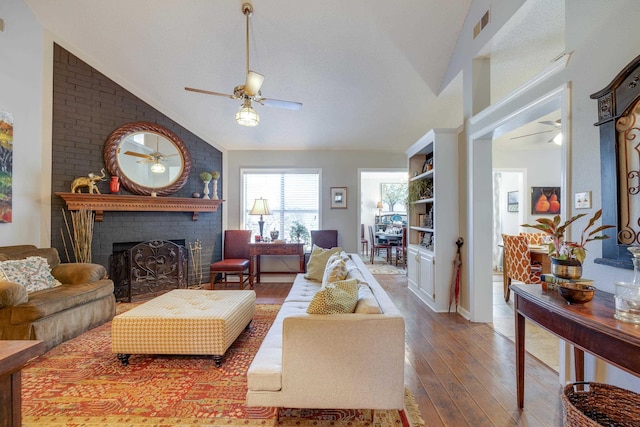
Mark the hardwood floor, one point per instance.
(461, 373)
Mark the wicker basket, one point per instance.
(600, 405)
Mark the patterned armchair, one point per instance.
(518, 263)
(533, 238)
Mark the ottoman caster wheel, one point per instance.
(218, 360)
(124, 358)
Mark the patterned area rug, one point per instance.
(81, 383)
(385, 269)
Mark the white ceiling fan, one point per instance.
(250, 91)
(557, 124)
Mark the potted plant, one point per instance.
(567, 257)
(299, 232)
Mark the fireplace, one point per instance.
(140, 270)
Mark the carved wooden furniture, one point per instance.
(235, 260)
(618, 114)
(257, 250)
(149, 269)
(99, 203)
(517, 263)
(590, 327)
(13, 356)
(183, 321)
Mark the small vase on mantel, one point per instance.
(114, 185)
(214, 185)
(206, 190)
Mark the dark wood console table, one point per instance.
(590, 327)
(256, 250)
(13, 356)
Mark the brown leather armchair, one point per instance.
(235, 259)
(326, 239)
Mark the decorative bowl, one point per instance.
(576, 293)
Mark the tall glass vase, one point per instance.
(206, 190)
(627, 295)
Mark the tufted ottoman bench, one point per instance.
(183, 321)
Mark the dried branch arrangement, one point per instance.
(82, 224)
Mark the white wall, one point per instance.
(21, 89)
(339, 169)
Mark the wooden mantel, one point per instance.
(100, 203)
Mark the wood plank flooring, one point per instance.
(461, 373)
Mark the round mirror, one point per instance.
(147, 158)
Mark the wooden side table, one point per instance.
(256, 250)
(13, 356)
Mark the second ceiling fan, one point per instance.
(250, 91)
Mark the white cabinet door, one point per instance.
(427, 279)
(413, 272)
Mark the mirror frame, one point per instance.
(111, 158)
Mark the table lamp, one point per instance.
(260, 207)
(379, 206)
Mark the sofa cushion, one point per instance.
(318, 262)
(303, 290)
(32, 272)
(79, 272)
(335, 270)
(367, 302)
(24, 251)
(336, 297)
(51, 301)
(12, 294)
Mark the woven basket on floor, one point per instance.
(600, 405)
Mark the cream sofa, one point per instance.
(83, 301)
(341, 361)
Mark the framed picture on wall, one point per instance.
(338, 197)
(513, 201)
(545, 200)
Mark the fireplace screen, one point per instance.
(149, 269)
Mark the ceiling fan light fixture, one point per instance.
(247, 116)
(157, 168)
(558, 139)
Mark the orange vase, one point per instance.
(114, 185)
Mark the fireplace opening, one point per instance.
(140, 270)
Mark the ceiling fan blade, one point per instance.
(145, 161)
(531, 134)
(287, 105)
(208, 92)
(254, 83)
(556, 123)
(133, 153)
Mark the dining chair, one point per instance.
(401, 250)
(375, 247)
(518, 264)
(533, 238)
(235, 259)
(363, 241)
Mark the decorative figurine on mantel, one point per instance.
(88, 181)
(206, 179)
(215, 175)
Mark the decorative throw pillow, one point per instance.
(32, 272)
(334, 298)
(367, 302)
(335, 270)
(318, 262)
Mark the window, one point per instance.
(293, 196)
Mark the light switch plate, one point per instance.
(583, 200)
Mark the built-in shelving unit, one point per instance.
(99, 203)
(433, 217)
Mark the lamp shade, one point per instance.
(260, 207)
(379, 206)
(247, 116)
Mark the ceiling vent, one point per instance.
(483, 22)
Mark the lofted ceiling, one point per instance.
(367, 72)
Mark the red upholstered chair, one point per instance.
(375, 247)
(326, 239)
(518, 263)
(235, 259)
